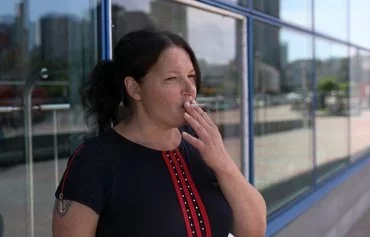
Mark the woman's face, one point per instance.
(169, 83)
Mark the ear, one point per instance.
(132, 87)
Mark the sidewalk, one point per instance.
(361, 228)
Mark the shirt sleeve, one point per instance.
(87, 178)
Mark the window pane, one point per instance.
(359, 16)
(332, 22)
(219, 58)
(62, 37)
(331, 117)
(282, 125)
(297, 12)
(241, 2)
(359, 103)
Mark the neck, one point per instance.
(149, 134)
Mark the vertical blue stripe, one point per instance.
(105, 35)
(102, 29)
(250, 68)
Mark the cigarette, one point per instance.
(199, 105)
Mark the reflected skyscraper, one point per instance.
(170, 16)
(126, 21)
(268, 51)
(54, 37)
(21, 37)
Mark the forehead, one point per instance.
(173, 58)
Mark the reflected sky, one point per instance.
(298, 12)
(331, 18)
(360, 19)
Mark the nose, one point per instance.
(189, 88)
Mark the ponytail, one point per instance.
(101, 96)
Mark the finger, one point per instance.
(198, 144)
(192, 110)
(198, 128)
(204, 115)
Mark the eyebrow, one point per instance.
(166, 72)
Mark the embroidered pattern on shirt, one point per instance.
(193, 210)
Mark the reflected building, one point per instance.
(268, 52)
(21, 39)
(298, 74)
(14, 45)
(54, 37)
(171, 17)
(34, 36)
(167, 15)
(7, 47)
(126, 21)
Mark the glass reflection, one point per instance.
(61, 37)
(359, 103)
(332, 115)
(282, 106)
(297, 12)
(359, 14)
(216, 41)
(333, 22)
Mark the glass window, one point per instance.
(331, 116)
(297, 12)
(359, 17)
(241, 2)
(359, 103)
(283, 147)
(216, 41)
(331, 18)
(61, 37)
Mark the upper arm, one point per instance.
(83, 193)
(74, 220)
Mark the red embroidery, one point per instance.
(197, 197)
(196, 218)
(178, 192)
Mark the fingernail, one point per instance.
(187, 104)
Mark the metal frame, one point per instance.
(106, 29)
(28, 137)
(27, 102)
(245, 110)
(314, 101)
(250, 102)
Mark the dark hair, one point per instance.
(134, 55)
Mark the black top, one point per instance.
(139, 191)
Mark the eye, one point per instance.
(192, 76)
(171, 78)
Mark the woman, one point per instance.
(161, 170)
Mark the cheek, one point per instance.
(162, 101)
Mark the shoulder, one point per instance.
(88, 155)
(91, 147)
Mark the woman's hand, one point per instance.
(247, 204)
(209, 144)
